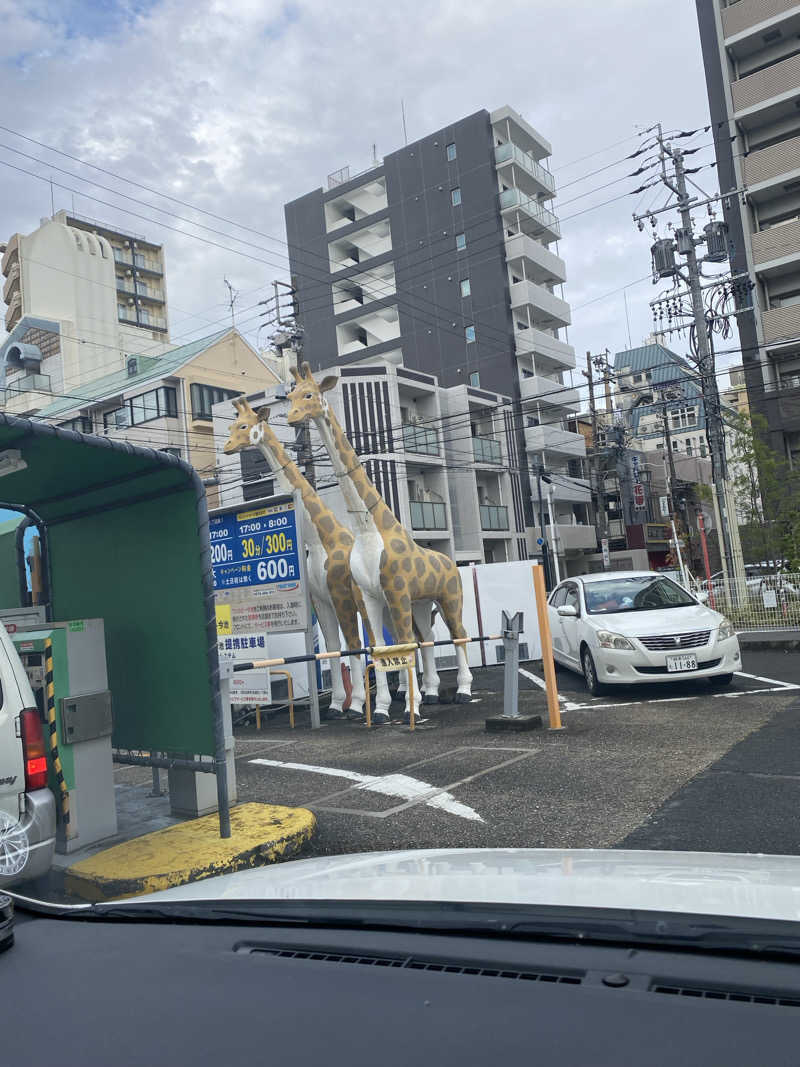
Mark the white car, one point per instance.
(639, 626)
(27, 806)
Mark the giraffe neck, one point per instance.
(364, 502)
(288, 476)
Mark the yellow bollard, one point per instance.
(370, 667)
(411, 714)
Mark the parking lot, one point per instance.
(678, 766)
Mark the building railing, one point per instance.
(513, 198)
(486, 450)
(790, 382)
(421, 440)
(511, 153)
(494, 517)
(428, 515)
(744, 14)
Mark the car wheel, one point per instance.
(590, 673)
(721, 680)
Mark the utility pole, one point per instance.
(546, 563)
(596, 474)
(665, 266)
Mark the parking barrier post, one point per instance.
(512, 628)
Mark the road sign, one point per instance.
(663, 503)
(258, 577)
(606, 553)
(638, 496)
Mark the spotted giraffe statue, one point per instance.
(335, 596)
(390, 568)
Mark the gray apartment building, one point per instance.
(442, 258)
(751, 52)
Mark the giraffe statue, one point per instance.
(336, 598)
(390, 568)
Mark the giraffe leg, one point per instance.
(374, 606)
(383, 697)
(329, 624)
(451, 607)
(421, 610)
(349, 622)
(400, 607)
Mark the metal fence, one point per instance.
(764, 602)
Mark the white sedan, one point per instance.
(638, 626)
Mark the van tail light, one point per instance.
(33, 749)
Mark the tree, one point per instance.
(767, 493)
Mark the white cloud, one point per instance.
(240, 105)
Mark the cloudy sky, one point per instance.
(236, 106)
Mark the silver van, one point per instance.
(27, 806)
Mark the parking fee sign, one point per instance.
(258, 572)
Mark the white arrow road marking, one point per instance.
(389, 785)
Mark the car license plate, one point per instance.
(681, 663)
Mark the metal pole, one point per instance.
(597, 477)
(545, 551)
(512, 627)
(705, 354)
(556, 536)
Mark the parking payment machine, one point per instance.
(82, 709)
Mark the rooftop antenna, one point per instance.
(52, 198)
(403, 112)
(233, 295)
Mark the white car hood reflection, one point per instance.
(662, 621)
(708, 883)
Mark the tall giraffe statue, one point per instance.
(336, 598)
(389, 567)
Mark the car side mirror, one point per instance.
(568, 611)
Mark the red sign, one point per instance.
(638, 496)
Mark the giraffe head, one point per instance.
(247, 430)
(307, 399)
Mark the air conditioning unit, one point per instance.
(414, 419)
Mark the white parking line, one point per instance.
(537, 680)
(772, 681)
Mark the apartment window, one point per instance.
(83, 424)
(466, 290)
(638, 377)
(469, 333)
(461, 242)
(118, 419)
(689, 446)
(204, 396)
(475, 379)
(155, 404)
(125, 311)
(451, 152)
(683, 417)
(455, 196)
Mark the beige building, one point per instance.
(164, 402)
(80, 297)
(736, 395)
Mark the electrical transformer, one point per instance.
(663, 252)
(716, 241)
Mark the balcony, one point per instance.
(540, 264)
(494, 517)
(14, 310)
(554, 439)
(486, 450)
(11, 254)
(547, 391)
(767, 166)
(764, 85)
(747, 14)
(781, 242)
(420, 440)
(28, 383)
(570, 490)
(428, 515)
(781, 324)
(11, 283)
(547, 309)
(568, 537)
(792, 381)
(541, 345)
(510, 155)
(532, 218)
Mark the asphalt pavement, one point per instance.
(680, 765)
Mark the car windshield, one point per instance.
(643, 593)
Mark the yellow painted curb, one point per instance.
(189, 851)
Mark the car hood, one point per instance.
(747, 885)
(660, 621)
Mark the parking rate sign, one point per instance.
(256, 562)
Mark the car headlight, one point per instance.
(608, 640)
(726, 630)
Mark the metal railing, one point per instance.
(428, 515)
(486, 450)
(790, 382)
(510, 153)
(421, 440)
(494, 517)
(513, 198)
(763, 602)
